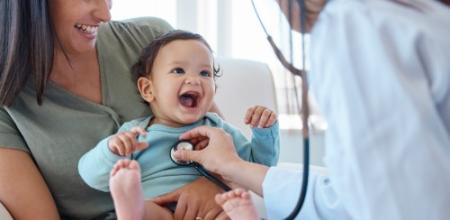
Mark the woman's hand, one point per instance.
(194, 200)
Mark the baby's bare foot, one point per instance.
(126, 190)
(238, 205)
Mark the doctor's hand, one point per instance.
(125, 143)
(313, 9)
(217, 156)
(260, 117)
(220, 157)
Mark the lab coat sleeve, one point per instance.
(380, 73)
(281, 190)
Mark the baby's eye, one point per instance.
(178, 70)
(205, 73)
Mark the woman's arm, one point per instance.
(23, 191)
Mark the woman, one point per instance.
(381, 75)
(65, 85)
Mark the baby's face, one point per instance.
(181, 83)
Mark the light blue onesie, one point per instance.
(159, 174)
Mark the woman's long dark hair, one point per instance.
(26, 47)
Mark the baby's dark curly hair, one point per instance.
(145, 63)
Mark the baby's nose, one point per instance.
(192, 81)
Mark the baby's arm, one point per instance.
(95, 166)
(264, 146)
(265, 143)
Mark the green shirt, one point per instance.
(65, 126)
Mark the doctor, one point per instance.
(380, 70)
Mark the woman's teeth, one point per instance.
(87, 28)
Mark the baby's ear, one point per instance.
(145, 87)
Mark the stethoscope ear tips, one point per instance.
(181, 145)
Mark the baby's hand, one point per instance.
(261, 117)
(125, 143)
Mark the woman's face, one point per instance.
(76, 23)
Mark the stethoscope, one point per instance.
(305, 111)
(187, 145)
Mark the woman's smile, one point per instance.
(88, 31)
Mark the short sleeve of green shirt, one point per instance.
(8, 133)
(58, 132)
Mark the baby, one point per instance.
(175, 75)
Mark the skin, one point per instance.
(238, 204)
(25, 187)
(174, 72)
(220, 150)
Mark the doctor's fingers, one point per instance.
(202, 144)
(199, 139)
(187, 155)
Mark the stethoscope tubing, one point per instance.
(210, 177)
(305, 112)
(200, 169)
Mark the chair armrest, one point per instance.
(4, 214)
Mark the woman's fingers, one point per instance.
(167, 198)
(212, 214)
(191, 211)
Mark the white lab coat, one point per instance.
(380, 71)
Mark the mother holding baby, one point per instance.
(65, 84)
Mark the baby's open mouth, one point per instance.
(189, 99)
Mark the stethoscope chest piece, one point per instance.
(181, 145)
